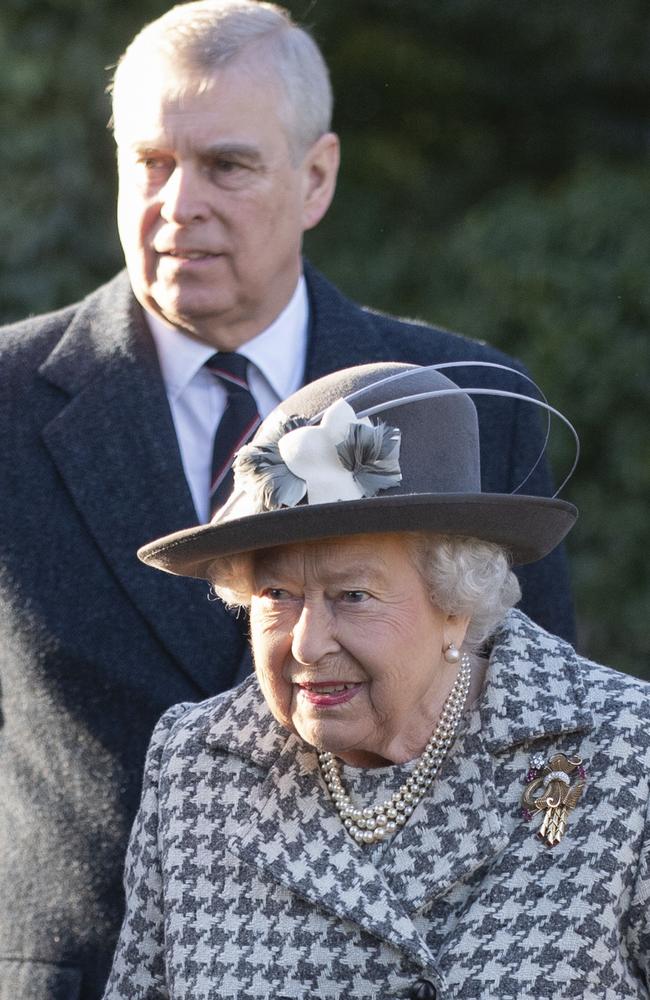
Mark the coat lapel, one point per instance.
(115, 447)
(294, 836)
(454, 831)
(533, 691)
(337, 325)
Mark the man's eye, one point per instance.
(355, 596)
(222, 168)
(228, 173)
(153, 162)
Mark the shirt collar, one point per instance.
(275, 352)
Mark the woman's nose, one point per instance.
(313, 635)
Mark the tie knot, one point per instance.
(231, 368)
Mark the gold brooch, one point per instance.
(558, 796)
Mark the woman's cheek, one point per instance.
(271, 649)
(277, 694)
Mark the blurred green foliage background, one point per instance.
(495, 180)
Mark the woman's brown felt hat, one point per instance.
(439, 491)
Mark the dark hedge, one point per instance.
(495, 179)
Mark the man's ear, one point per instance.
(320, 168)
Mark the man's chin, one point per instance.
(186, 313)
(224, 323)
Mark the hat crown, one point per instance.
(439, 436)
(410, 437)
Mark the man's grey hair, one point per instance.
(196, 39)
(464, 576)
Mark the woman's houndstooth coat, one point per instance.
(242, 883)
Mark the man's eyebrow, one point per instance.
(147, 147)
(240, 150)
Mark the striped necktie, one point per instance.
(238, 423)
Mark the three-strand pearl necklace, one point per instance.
(375, 823)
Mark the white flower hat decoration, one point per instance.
(322, 465)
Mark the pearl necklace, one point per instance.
(375, 823)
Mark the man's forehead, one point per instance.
(159, 81)
(220, 108)
(157, 104)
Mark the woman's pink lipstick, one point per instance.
(324, 694)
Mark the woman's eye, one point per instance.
(275, 594)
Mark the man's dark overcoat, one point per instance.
(94, 647)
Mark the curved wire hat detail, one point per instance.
(319, 467)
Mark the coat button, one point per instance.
(423, 989)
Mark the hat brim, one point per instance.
(528, 527)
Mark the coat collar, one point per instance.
(294, 834)
(115, 447)
(338, 326)
(534, 686)
(114, 428)
(533, 690)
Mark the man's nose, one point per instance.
(313, 635)
(182, 197)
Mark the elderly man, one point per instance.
(119, 417)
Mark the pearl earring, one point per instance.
(451, 654)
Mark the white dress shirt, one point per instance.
(197, 399)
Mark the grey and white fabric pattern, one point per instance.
(242, 883)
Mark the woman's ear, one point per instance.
(454, 631)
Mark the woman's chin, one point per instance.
(324, 736)
(342, 745)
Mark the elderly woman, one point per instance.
(420, 793)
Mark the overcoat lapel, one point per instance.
(533, 691)
(337, 324)
(294, 836)
(115, 447)
(454, 831)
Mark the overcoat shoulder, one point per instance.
(94, 646)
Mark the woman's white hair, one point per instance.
(195, 39)
(464, 576)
